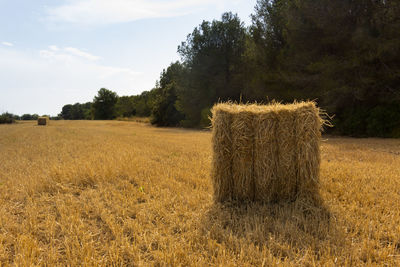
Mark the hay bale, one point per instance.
(266, 152)
(43, 121)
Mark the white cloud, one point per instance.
(7, 44)
(106, 11)
(80, 53)
(67, 53)
(43, 81)
(76, 57)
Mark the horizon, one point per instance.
(61, 53)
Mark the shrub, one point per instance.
(7, 118)
(205, 117)
(352, 122)
(378, 121)
(384, 121)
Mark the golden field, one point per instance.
(128, 194)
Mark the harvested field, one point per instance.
(126, 193)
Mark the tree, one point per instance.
(87, 110)
(104, 105)
(66, 112)
(143, 103)
(7, 118)
(76, 112)
(164, 111)
(125, 106)
(26, 117)
(343, 53)
(212, 57)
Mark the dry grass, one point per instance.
(123, 193)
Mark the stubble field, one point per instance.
(125, 193)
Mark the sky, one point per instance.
(57, 52)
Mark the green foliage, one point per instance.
(214, 69)
(384, 121)
(107, 105)
(76, 112)
(144, 103)
(7, 118)
(136, 105)
(352, 122)
(104, 105)
(55, 118)
(343, 53)
(66, 112)
(164, 112)
(28, 117)
(380, 121)
(205, 117)
(126, 106)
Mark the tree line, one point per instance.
(344, 54)
(107, 105)
(9, 118)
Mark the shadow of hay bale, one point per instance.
(283, 229)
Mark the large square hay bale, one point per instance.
(43, 121)
(266, 153)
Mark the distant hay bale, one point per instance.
(266, 153)
(43, 121)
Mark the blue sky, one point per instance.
(58, 52)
